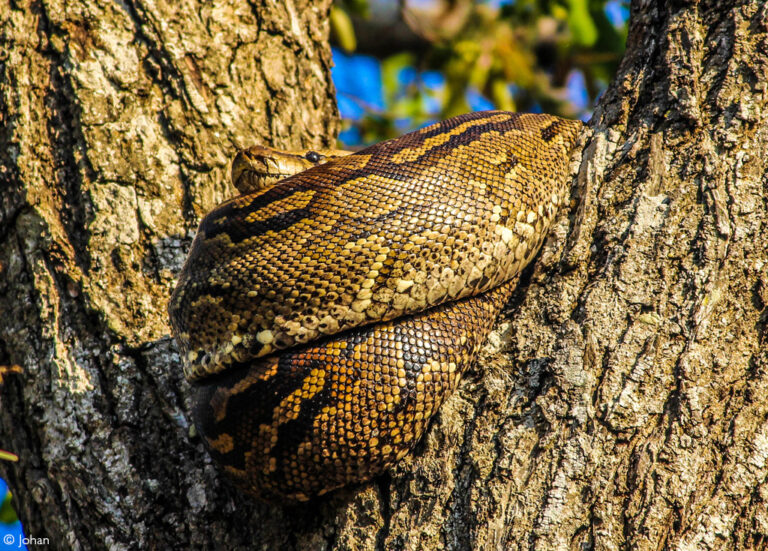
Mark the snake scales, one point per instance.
(323, 320)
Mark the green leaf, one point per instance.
(610, 39)
(8, 456)
(7, 512)
(581, 24)
(501, 96)
(390, 73)
(342, 29)
(357, 7)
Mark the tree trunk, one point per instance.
(119, 121)
(622, 403)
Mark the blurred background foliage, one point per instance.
(401, 64)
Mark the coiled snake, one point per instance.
(324, 319)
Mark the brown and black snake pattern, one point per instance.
(325, 319)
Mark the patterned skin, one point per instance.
(323, 320)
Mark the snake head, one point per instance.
(259, 167)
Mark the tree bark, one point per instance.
(621, 403)
(118, 124)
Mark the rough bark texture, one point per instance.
(622, 403)
(118, 123)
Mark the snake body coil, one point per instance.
(325, 319)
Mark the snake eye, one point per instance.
(313, 156)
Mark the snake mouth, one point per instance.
(259, 167)
(249, 180)
(256, 168)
